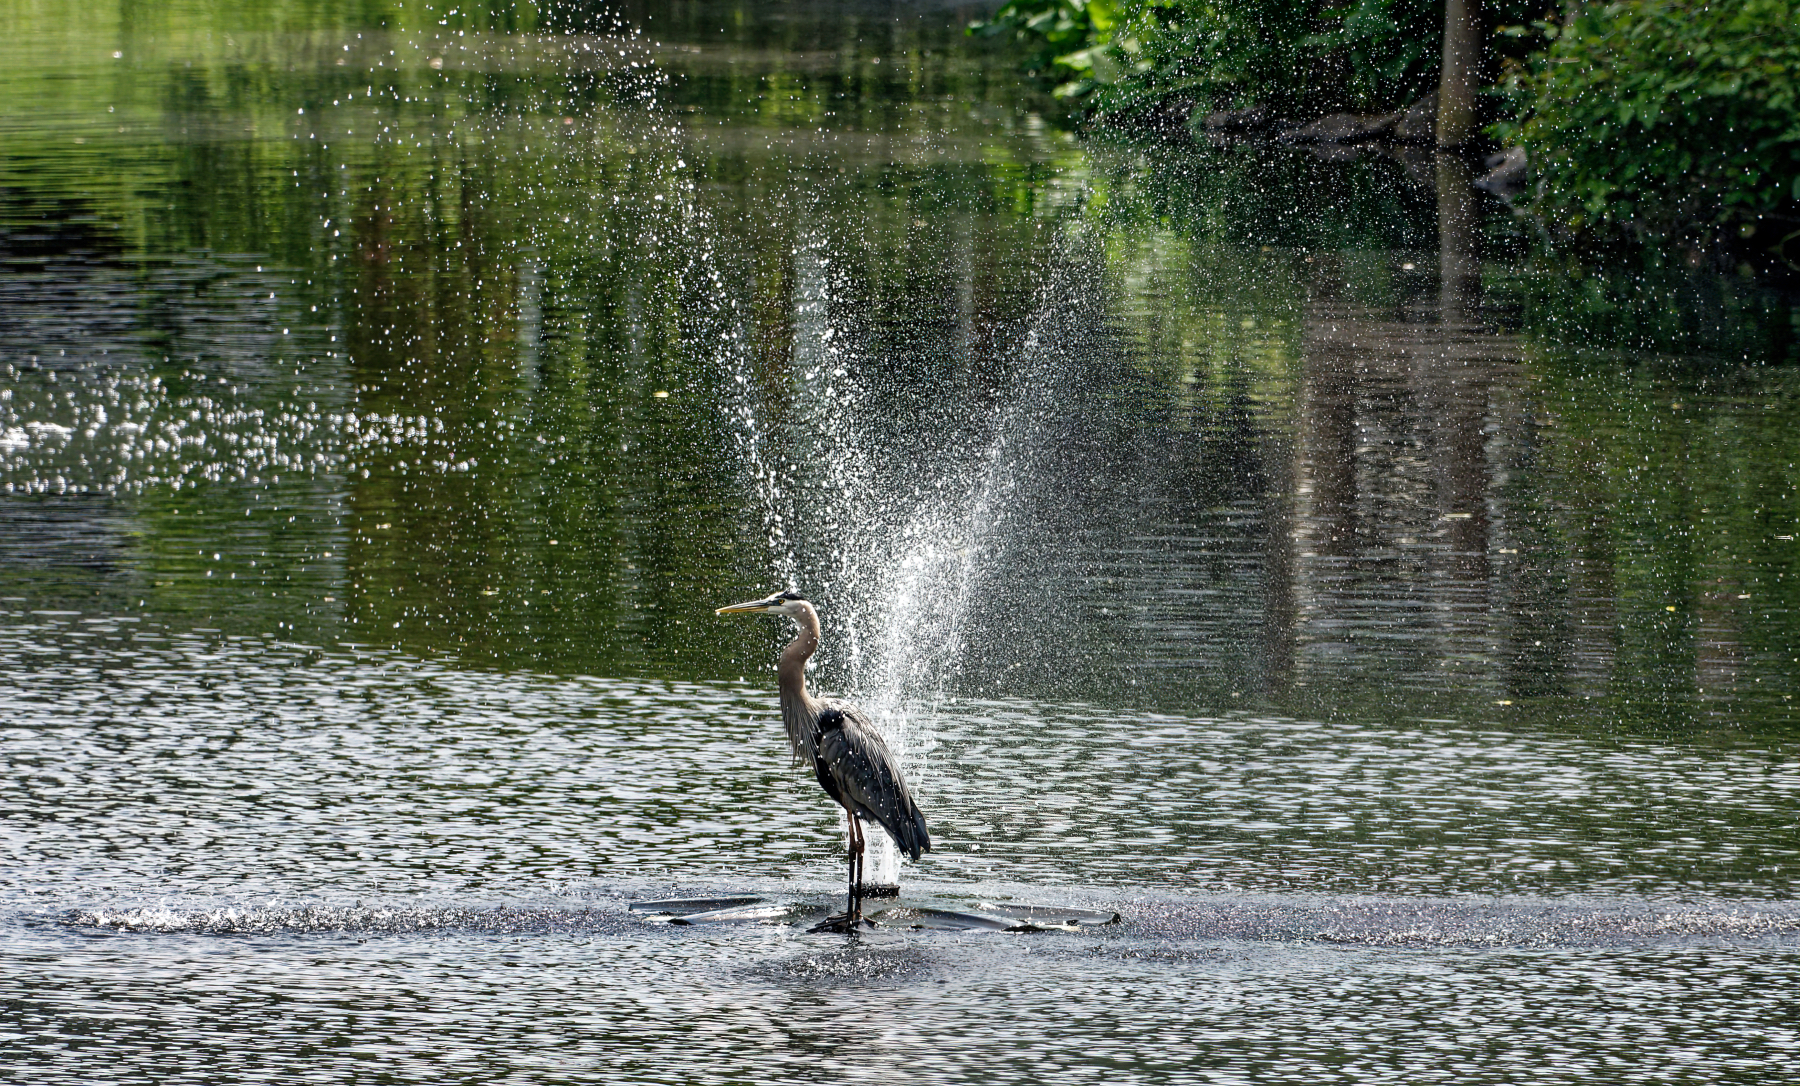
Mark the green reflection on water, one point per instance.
(433, 334)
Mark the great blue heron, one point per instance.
(853, 764)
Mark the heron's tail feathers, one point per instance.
(909, 832)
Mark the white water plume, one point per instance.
(892, 542)
(937, 558)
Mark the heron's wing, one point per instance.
(867, 777)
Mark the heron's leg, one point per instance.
(856, 878)
(856, 859)
(850, 907)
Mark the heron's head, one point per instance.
(791, 604)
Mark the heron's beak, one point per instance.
(753, 607)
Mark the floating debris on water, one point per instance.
(948, 920)
(683, 906)
(769, 913)
(1050, 916)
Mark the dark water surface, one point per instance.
(1395, 629)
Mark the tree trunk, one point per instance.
(1462, 69)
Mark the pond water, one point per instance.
(1393, 627)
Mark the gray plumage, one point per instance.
(868, 782)
(846, 752)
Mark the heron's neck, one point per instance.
(792, 670)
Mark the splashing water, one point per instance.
(893, 540)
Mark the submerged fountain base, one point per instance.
(986, 916)
(842, 925)
(879, 889)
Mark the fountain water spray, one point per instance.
(895, 539)
(886, 527)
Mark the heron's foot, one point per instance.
(843, 924)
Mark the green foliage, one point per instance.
(1661, 117)
(1060, 36)
(1295, 57)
